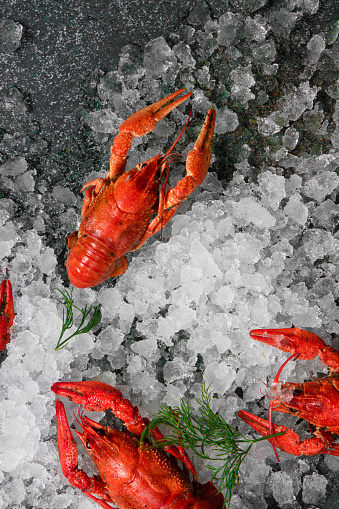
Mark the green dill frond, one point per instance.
(68, 318)
(210, 438)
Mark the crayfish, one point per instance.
(6, 313)
(316, 401)
(131, 475)
(117, 214)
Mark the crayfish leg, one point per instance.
(72, 239)
(178, 452)
(102, 503)
(93, 188)
(120, 267)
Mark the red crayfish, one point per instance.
(6, 313)
(116, 217)
(316, 401)
(131, 475)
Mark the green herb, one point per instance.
(209, 436)
(67, 318)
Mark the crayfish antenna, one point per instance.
(162, 199)
(177, 138)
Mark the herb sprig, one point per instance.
(68, 319)
(209, 436)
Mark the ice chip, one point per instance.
(250, 211)
(318, 243)
(25, 183)
(296, 210)
(159, 59)
(271, 188)
(47, 261)
(290, 139)
(10, 35)
(282, 487)
(315, 47)
(264, 52)
(321, 185)
(243, 80)
(332, 462)
(220, 375)
(177, 370)
(200, 102)
(256, 28)
(64, 195)
(227, 121)
(17, 490)
(84, 503)
(230, 24)
(314, 489)
(200, 14)
(224, 297)
(147, 347)
(292, 184)
(326, 215)
(103, 121)
(201, 258)
(291, 107)
(13, 101)
(178, 318)
(14, 167)
(270, 125)
(183, 52)
(173, 395)
(310, 6)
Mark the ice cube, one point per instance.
(296, 210)
(314, 488)
(220, 375)
(321, 185)
(282, 487)
(10, 35)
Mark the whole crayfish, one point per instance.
(117, 214)
(131, 475)
(316, 401)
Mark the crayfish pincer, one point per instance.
(131, 475)
(124, 209)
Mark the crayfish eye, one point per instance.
(101, 432)
(88, 445)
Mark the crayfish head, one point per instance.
(137, 189)
(113, 452)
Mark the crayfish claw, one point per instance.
(288, 442)
(294, 340)
(145, 120)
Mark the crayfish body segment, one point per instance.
(130, 475)
(118, 211)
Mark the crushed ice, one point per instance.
(260, 253)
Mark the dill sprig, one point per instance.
(209, 436)
(68, 320)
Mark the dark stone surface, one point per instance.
(64, 42)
